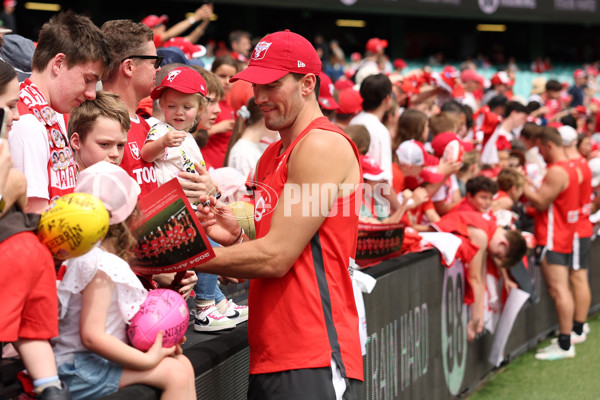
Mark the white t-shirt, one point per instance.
(30, 152)
(127, 296)
(243, 156)
(380, 148)
(174, 159)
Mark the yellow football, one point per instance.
(72, 224)
(244, 212)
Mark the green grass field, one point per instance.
(527, 378)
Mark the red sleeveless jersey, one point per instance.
(585, 228)
(308, 316)
(555, 226)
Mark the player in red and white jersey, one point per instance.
(302, 330)
(582, 241)
(557, 204)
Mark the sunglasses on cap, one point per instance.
(157, 59)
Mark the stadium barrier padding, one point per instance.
(416, 337)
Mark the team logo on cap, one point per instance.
(260, 51)
(172, 75)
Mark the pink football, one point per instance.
(453, 151)
(164, 310)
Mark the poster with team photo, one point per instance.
(377, 242)
(168, 233)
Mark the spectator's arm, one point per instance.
(180, 27)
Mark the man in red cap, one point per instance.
(304, 341)
(8, 15)
(577, 91)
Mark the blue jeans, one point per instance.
(207, 288)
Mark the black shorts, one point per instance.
(581, 253)
(553, 257)
(300, 384)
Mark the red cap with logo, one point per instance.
(579, 73)
(184, 80)
(277, 55)
(326, 99)
(154, 20)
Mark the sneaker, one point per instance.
(236, 313)
(210, 320)
(54, 393)
(575, 338)
(554, 352)
(586, 328)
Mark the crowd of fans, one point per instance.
(441, 151)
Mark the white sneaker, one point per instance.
(236, 313)
(554, 352)
(586, 328)
(576, 339)
(211, 320)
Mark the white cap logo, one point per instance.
(260, 51)
(172, 75)
(301, 64)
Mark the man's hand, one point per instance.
(218, 221)
(196, 184)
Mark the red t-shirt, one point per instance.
(140, 170)
(585, 228)
(216, 147)
(308, 316)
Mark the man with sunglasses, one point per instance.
(133, 76)
(70, 58)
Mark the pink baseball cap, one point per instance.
(326, 99)
(469, 75)
(579, 73)
(190, 49)
(154, 20)
(277, 55)
(113, 186)
(350, 101)
(182, 79)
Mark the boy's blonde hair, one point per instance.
(213, 84)
(107, 105)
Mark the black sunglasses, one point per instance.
(158, 59)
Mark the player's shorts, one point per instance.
(553, 257)
(90, 376)
(300, 384)
(581, 253)
(29, 306)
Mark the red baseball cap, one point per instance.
(190, 49)
(441, 140)
(501, 78)
(399, 63)
(182, 79)
(376, 44)
(9, 3)
(326, 99)
(154, 20)
(371, 170)
(579, 73)
(342, 84)
(277, 55)
(350, 101)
